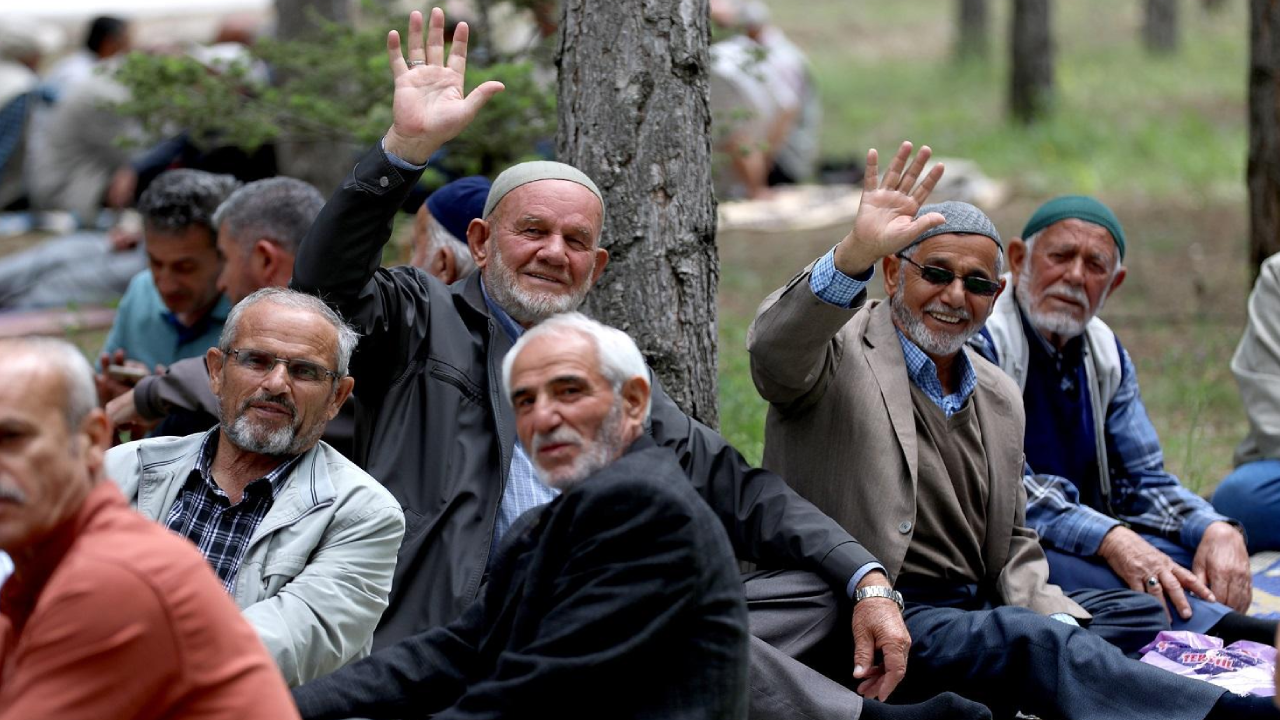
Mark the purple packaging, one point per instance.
(1242, 667)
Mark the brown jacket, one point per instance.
(841, 431)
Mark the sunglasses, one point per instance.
(260, 362)
(973, 284)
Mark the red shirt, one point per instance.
(115, 617)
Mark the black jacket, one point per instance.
(433, 427)
(620, 598)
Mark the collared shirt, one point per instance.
(204, 514)
(524, 490)
(147, 331)
(835, 288)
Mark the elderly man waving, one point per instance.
(434, 427)
(883, 418)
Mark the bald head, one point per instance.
(55, 438)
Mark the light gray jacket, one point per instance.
(317, 572)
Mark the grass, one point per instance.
(1162, 140)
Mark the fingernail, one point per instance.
(857, 670)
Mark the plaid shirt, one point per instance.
(1143, 495)
(204, 514)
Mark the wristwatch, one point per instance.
(878, 591)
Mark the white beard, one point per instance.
(595, 454)
(526, 307)
(927, 339)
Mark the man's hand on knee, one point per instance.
(878, 626)
(1222, 563)
(1146, 569)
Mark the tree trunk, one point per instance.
(1160, 27)
(1264, 131)
(323, 164)
(633, 114)
(1031, 45)
(972, 39)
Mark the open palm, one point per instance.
(429, 107)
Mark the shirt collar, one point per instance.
(924, 373)
(217, 313)
(510, 326)
(204, 466)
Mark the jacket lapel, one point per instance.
(884, 354)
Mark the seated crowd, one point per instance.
(436, 490)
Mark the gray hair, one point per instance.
(910, 254)
(347, 336)
(438, 237)
(278, 209)
(618, 357)
(81, 394)
(179, 199)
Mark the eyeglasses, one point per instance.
(261, 362)
(974, 284)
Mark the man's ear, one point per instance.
(891, 266)
(1119, 279)
(272, 263)
(93, 439)
(213, 362)
(602, 259)
(1017, 253)
(444, 265)
(340, 395)
(478, 233)
(635, 396)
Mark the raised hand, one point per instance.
(429, 107)
(886, 221)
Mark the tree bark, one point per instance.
(1031, 45)
(634, 115)
(323, 164)
(1264, 131)
(1160, 27)
(973, 42)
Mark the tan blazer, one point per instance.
(841, 431)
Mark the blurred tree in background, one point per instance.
(321, 92)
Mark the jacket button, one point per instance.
(904, 527)
(383, 181)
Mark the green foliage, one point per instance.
(334, 87)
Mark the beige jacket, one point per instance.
(1256, 366)
(841, 431)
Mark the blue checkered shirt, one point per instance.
(835, 288)
(204, 514)
(524, 490)
(1143, 494)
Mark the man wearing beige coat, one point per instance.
(883, 419)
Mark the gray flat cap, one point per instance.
(527, 172)
(961, 218)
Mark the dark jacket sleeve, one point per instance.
(185, 386)
(339, 261)
(417, 677)
(768, 522)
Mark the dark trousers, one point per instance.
(1071, 572)
(1012, 659)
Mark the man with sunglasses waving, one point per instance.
(303, 540)
(883, 419)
